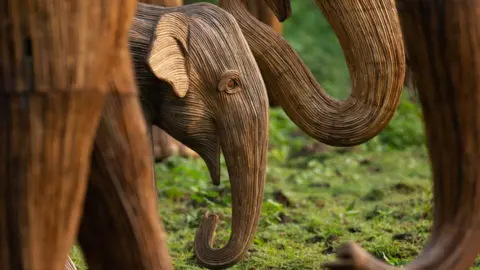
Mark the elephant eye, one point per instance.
(230, 82)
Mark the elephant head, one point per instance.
(370, 35)
(199, 82)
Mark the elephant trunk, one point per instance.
(245, 154)
(370, 35)
(281, 8)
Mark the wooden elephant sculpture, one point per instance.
(375, 57)
(56, 78)
(199, 82)
(442, 42)
(165, 145)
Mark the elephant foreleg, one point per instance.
(53, 81)
(45, 144)
(442, 41)
(120, 228)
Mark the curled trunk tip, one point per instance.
(206, 230)
(209, 257)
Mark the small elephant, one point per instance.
(199, 81)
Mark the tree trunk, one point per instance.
(57, 60)
(442, 42)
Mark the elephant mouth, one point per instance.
(212, 159)
(209, 150)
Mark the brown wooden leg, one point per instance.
(120, 227)
(165, 3)
(264, 13)
(442, 39)
(56, 60)
(45, 144)
(165, 146)
(69, 265)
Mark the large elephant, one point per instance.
(199, 81)
(374, 54)
(58, 61)
(442, 42)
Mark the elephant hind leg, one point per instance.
(442, 42)
(45, 144)
(120, 228)
(69, 265)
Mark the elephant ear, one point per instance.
(167, 56)
(281, 8)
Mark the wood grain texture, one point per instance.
(442, 39)
(45, 144)
(281, 8)
(57, 61)
(164, 3)
(370, 35)
(163, 144)
(225, 106)
(69, 265)
(263, 13)
(120, 228)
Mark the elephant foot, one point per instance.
(449, 248)
(441, 38)
(69, 265)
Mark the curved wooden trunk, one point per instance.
(264, 13)
(442, 42)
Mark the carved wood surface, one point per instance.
(165, 3)
(163, 144)
(120, 225)
(57, 61)
(442, 42)
(375, 57)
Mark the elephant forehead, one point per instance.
(219, 46)
(226, 36)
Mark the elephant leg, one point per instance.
(165, 146)
(150, 139)
(54, 74)
(165, 3)
(69, 265)
(120, 227)
(442, 40)
(45, 144)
